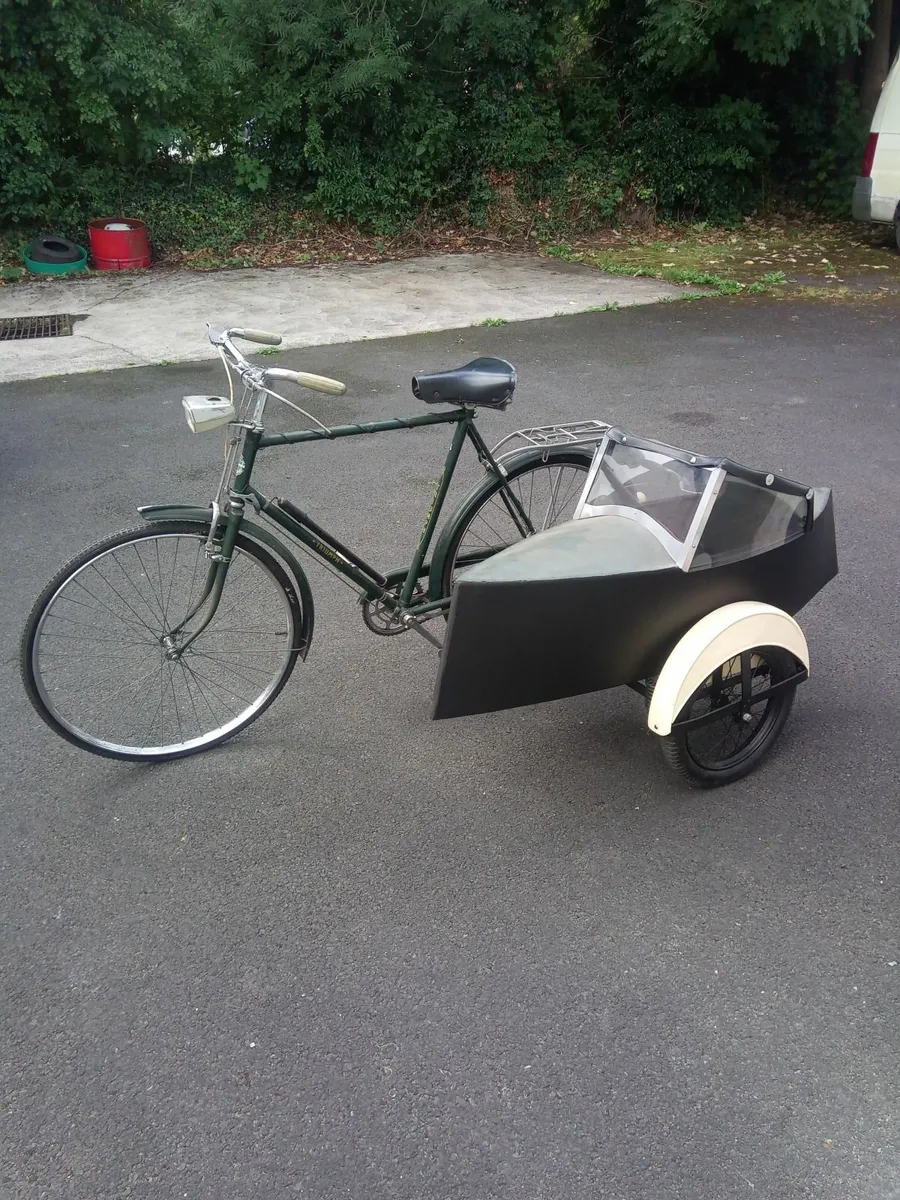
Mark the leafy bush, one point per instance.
(184, 209)
(217, 119)
(702, 162)
(87, 91)
(836, 139)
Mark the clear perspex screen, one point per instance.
(664, 489)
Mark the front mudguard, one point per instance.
(192, 512)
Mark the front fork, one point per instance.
(219, 546)
(215, 576)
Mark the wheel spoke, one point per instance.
(110, 697)
(723, 745)
(187, 688)
(138, 623)
(220, 661)
(171, 677)
(219, 691)
(157, 594)
(113, 589)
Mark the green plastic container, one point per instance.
(72, 268)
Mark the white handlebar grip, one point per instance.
(316, 383)
(258, 335)
(321, 383)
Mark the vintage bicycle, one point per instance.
(162, 641)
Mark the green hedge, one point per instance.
(221, 118)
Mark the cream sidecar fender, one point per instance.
(715, 639)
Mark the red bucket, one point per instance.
(119, 244)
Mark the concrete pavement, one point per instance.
(357, 955)
(159, 316)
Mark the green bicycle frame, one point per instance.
(371, 583)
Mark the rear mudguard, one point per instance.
(190, 512)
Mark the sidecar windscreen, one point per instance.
(648, 482)
(705, 511)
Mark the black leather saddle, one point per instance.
(487, 382)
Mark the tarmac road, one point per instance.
(359, 954)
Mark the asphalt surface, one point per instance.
(359, 954)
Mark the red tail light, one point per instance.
(869, 156)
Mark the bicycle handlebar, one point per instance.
(257, 335)
(233, 357)
(316, 383)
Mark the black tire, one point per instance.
(694, 755)
(569, 466)
(53, 250)
(135, 626)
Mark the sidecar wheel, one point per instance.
(725, 750)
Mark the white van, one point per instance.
(876, 196)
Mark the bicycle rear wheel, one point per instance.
(102, 658)
(547, 487)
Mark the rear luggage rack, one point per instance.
(576, 433)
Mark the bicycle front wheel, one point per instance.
(104, 659)
(547, 487)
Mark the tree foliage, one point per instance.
(86, 88)
(687, 35)
(382, 108)
(378, 109)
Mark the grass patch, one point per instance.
(491, 322)
(725, 286)
(837, 295)
(777, 257)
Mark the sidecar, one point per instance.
(679, 576)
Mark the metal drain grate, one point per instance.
(17, 329)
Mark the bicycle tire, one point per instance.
(485, 494)
(47, 704)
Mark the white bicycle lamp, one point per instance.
(207, 412)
